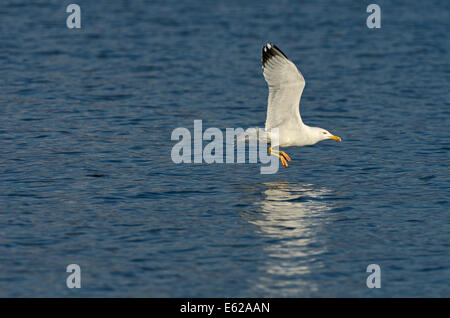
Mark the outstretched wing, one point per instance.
(286, 85)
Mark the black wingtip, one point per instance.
(270, 50)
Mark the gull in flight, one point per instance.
(286, 85)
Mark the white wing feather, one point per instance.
(286, 85)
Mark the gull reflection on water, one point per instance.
(291, 219)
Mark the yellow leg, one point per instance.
(280, 154)
(285, 155)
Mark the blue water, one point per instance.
(86, 175)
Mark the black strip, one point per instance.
(222, 306)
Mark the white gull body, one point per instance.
(286, 85)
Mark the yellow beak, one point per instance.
(335, 138)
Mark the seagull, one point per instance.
(286, 85)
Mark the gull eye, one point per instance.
(324, 133)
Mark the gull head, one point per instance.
(323, 134)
